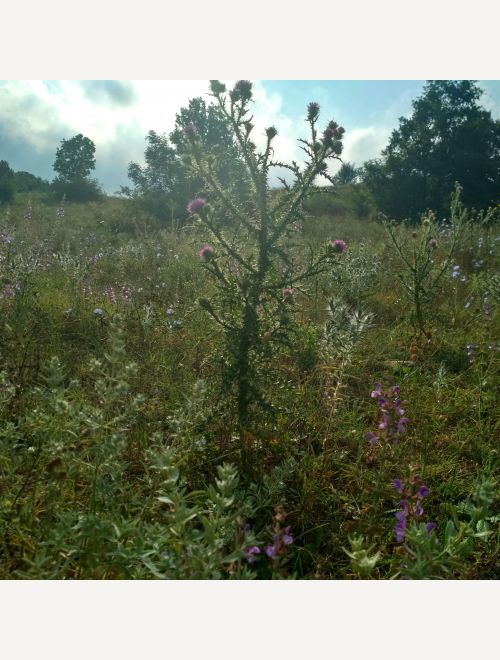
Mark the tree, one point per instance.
(6, 187)
(348, 173)
(159, 183)
(75, 159)
(74, 162)
(449, 137)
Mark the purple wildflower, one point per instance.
(250, 552)
(195, 205)
(271, 551)
(242, 90)
(339, 246)
(430, 526)
(287, 292)
(371, 437)
(206, 252)
(423, 491)
(398, 485)
(287, 537)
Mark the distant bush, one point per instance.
(85, 190)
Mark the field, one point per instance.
(122, 452)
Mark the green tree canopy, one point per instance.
(449, 137)
(75, 159)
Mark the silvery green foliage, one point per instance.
(363, 559)
(253, 266)
(344, 328)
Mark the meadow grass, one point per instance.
(114, 423)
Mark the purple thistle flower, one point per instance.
(195, 205)
(206, 252)
(339, 246)
(288, 292)
(243, 90)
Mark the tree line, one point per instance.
(449, 137)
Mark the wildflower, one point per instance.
(271, 551)
(392, 422)
(433, 243)
(195, 205)
(398, 485)
(312, 111)
(430, 526)
(217, 87)
(471, 352)
(242, 91)
(271, 132)
(288, 292)
(287, 537)
(339, 246)
(98, 312)
(249, 554)
(206, 252)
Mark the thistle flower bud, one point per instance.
(206, 252)
(217, 87)
(426, 222)
(195, 205)
(328, 137)
(271, 132)
(242, 91)
(312, 111)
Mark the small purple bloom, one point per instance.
(249, 554)
(430, 526)
(287, 537)
(398, 485)
(402, 424)
(271, 551)
(339, 246)
(423, 491)
(287, 292)
(206, 252)
(195, 205)
(371, 437)
(377, 391)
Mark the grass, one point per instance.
(88, 443)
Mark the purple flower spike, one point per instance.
(402, 424)
(195, 205)
(423, 491)
(377, 391)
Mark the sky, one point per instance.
(35, 115)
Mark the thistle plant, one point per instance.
(254, 268)
(427, 257)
